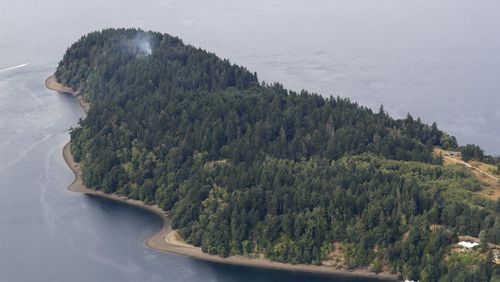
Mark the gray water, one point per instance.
(436, 59)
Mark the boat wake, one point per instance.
(14, 67)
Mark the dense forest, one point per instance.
(254, 169)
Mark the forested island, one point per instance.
(253, 169)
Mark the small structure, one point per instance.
(453, 154)
(468, 245)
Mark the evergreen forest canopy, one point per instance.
(252, 168)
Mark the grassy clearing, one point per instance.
(484, 173)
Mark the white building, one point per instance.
(468, 245)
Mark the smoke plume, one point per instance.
(140, 45)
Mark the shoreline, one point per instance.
(164, 240)
(52, 84)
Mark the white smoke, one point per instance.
(145, 46)
(140, 45)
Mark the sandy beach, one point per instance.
(52, 84)
(166, 239)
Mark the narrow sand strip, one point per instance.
(52, 84)
(165, 240)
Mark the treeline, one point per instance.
(471, 152)
(249, 168)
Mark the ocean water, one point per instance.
(435, 59)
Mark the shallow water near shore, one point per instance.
(412, 56)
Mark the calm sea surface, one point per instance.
(438, 60)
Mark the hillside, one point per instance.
(255, 169)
